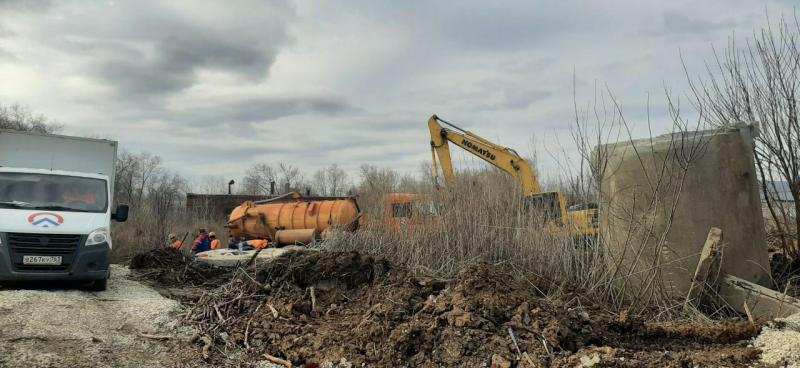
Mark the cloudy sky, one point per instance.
(213, 87)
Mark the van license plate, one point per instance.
(41, 260)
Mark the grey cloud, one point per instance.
(500, 93)
(222, 152)
(191, 48)
(515, 100)
(678, 22)
(477, 26)
(305, 144)
(151, 49)
(6, 55)
(177, 60)
(518, 29)
(527, 65)
(6, 32)
(251, 110)
(136, 77)
(25, 5)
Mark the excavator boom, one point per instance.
(550, 205)
(504, 158)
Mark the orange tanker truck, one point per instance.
(293, 219)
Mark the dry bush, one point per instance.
(482, 219)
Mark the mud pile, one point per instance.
(317, 307)
(170, 267)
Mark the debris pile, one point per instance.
(321, 307)
(171, 267)
(159, 258)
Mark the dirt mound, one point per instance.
(316, 307)
(165, 267)
(307, 268)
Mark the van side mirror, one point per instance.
(121, 214)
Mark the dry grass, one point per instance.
(481, 220)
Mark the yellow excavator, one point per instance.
(579, 221)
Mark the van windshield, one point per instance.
(53, 192)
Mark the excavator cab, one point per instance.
(546, 206)
(585, 217)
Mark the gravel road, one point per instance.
(129, 325)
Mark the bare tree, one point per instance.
(133, 174)
(135, 177)
(211, 184)
(18, 117)
(380, 179)
(148, 165)
(330, 181)
(286, 177)
(165, 195)
(155, 194)
(375, 183)
(760, 83)
(123, 177)
(257, 179)
(291, 178)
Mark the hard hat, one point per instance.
(171, 236)
(212, 234)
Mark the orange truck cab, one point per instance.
(404, 211)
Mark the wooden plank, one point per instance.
(709, 257)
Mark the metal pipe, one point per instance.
(282, 196)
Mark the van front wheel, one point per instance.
(99, 285)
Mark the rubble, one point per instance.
(318, 308)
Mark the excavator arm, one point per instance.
(503, 158)
(550, 205)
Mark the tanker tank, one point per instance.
(293, 219)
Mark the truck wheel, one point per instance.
(99, 285)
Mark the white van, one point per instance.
(56, 207)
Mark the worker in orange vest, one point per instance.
(215, 243)
(174, 243)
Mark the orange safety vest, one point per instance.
(216, 244)
(258, 243)
(176, 245)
